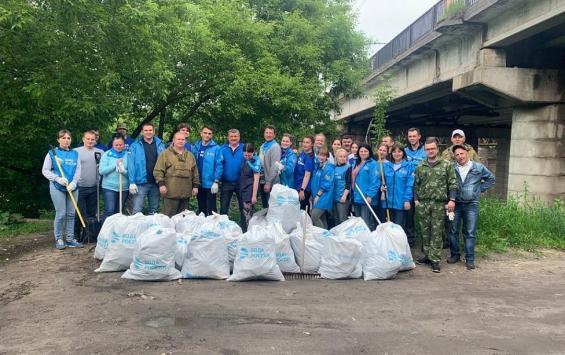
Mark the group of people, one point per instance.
(332, 183)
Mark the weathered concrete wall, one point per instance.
(537, 152)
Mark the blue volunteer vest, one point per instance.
(339, 181)
(68, 160)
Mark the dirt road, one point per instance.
(53, 302)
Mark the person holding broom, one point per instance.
(113, 164)
(399, 177)
(61, 167)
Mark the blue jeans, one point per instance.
(365, 214)
(112, 202)
(64, 222)
(467, 217)
(152, 193)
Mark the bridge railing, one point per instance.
(418, 29)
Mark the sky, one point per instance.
(382, 20)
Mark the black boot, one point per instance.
(435, 267)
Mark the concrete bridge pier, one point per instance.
(537, 151)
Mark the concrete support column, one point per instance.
(502, 160)
(537, 152)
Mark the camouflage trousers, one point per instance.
(431, 216)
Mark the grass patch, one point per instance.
(25, 228)
(454, 9)
(522, 223)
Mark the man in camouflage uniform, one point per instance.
(435, 185)
(458, 138)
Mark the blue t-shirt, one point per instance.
(305, 163)
(200, 157)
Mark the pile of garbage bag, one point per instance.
(279, 240)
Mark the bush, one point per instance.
(520, 222)
(8, 219)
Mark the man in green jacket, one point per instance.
(177, 175)
(458, 138)
(435, 188)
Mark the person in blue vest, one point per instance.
(184, 128)
(303, 172)
(352, 157)
(250, 172)
(288, 161)
(62, 182)
(366, 175)
(142, 158)
(122, 130)
(209, 161)
(399, 178)
(113, 164)
(415, 154)
(342, 186)
(230, 169)
(322, 189)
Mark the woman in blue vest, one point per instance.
(366, 175)
(62, 182)
(342, 186)
(322, 189)
(352, 157)
(399, 177)
(113, 164)
(288, 161)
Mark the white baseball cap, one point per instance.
(459, 132)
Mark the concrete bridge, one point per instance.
(494, 68)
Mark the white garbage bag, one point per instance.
(189, 223)
(184, 214)
(158, 219)
(230, 230)
(259, 218)
(381, 260)
(341, 258)
(353, 227)
(401, 246)
(315, 240)
(154, 256)
(256, 257)
(284, 206)
(284, 252)
(119, 254)
(207, 256)
(181, 249)
(115, 224)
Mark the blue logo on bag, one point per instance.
(393, 256)
(288, 200)
(243, 253)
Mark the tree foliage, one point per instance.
(80, 64)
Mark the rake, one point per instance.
(302, 275)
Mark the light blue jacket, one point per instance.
(369, 181)
(415, 156)
(289, 162)
(399, 184)
(137, 173)
(478, 179)
(108, 171)
(323, 181)
(212, 165)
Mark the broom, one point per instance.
(302, 275)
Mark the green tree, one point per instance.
(233, 63)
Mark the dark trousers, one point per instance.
(306, 201)
(226, 193)
(86, 204)
(173, 206)
(264, 195)
(409, 225)
(341, 212)
(112, 202)
(399, 217)
(364, 212)
(206, 201)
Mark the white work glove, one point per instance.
(214, 188)
(450, 215)
(133, 189)
(279, 166)
(62, 181)
(72, 186)
(120, 167)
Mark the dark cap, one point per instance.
(457, 147)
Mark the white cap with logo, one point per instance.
(459, 132)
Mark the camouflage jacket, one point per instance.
(448, 155)
(437, 182)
